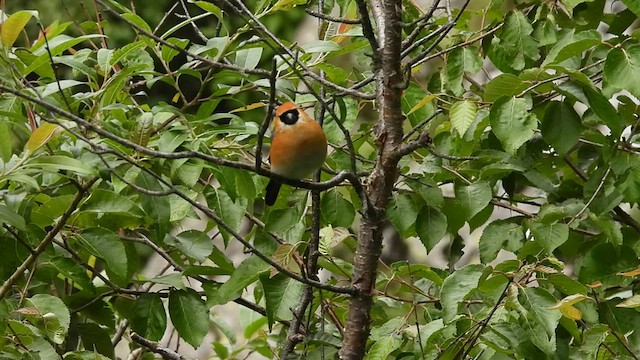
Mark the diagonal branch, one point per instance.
(17, 274)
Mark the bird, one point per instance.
(298, 147)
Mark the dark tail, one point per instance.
(272, 192)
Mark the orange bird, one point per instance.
(298, 147)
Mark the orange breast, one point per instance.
(298, 151)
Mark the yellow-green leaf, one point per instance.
(42, 135)
(13, 26)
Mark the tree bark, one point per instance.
(390, 84)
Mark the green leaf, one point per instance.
(473, 198)
(622, 69)
(561, 126)
(461, 115)
(538, 319)
(105, 245)
(402, 211)
(6, 150)
(633, 5)
(47, 304)
(431, 226)
(149, 319)
(138, 21)
(461, 61)
(512, 123)
(573, 45)
(457, 287)
(105, 201)
(503, 85)
(498, 235)
(230, 212)
(247, 273)
(193, 243)
(103, 57)
(209, 7)
(381, 349)
(336, 210)
(96, 338)
(42, 135)
(567, 285)
(56, 45)
(55, 163)
(189, 315)
(597, 265)
(158, 208)
(12, 27)
(169, 53)
(248, 58)
(320, 46)
(9, 217)
(550, 236)
(71, 270)
(592, 341)
(571, 4)
(517, 34)
(281, 295)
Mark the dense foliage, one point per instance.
(520, 126)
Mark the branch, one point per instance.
(17, 274)
(331, 18)
(213, 64)
(342, 176)
(166, 353)
(367, 28)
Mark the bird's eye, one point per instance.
(290, 117)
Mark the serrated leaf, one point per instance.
(512, 123)
(193, 243)
(456, 287)
(47, 304)
(402, 212)
(573, 45)
(540, 322)
(382, 348)
(336, 210)
(281, 295)
(247, 273)
(622, 69)
(561, 126)
(431, 226)
(503, 85)
(71, 270)
(150, 318)
(550, 236)
(498, 235)
(12, 27)
(461, 61)
(105, 245)
(461, 115)
(473, 198)
(189, 315)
